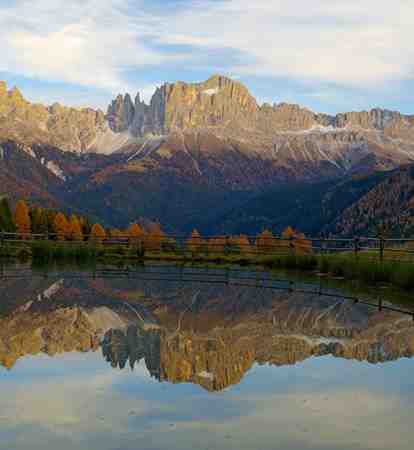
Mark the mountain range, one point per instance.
(206, 155)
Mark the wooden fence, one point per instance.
(378, 248)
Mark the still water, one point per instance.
(159, 362)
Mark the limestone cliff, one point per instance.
(70, 129)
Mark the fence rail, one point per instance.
(378, 248)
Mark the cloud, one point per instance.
(351, 43)
(115, 45)
(86, 43)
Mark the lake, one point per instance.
(160, 357)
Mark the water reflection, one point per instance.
(205, 334)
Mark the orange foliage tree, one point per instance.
(302, 245)
(266, 242)
(241, 243)
(98, 234)
(217, 244)
(61, 227)
(22, 219)
(154, 238)
(136, 234)
(296, 241)
(195, 243)
(75, 227)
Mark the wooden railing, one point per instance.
(378, 248)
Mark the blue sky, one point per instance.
(329, 55)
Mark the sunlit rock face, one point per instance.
(208, 143)
(198, 333)
(69, 129)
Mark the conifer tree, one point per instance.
(6, 217)
(75, 229)
(242, 243)
(22, 219)
(217, 244)
(154, 237)
(39, 220)
(61, 227)
(266, 242)
(135, 231)
(195, 243)
(97, 234)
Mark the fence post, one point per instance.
(382, 247)
(356, 246)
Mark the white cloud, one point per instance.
(99, 43)
(350, 43)
(87, 43)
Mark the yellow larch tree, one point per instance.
(22, 219)
(98, 234)
(61, 227)
(76, 233)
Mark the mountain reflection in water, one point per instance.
(210, 335)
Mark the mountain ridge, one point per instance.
(195, 152)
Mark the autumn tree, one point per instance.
(6, 216)
(296, 241)
(22, 219)
(217, 244)
(75, 227)
(241, 243)
(136, 234)
(266, 242)
(154, 237)
(194, 243)
(61, 227)
(97, 234)
(301, 244)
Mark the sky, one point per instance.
(322, 403)
(328, 55)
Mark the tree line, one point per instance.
(24, 221)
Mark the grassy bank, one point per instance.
(364, 268)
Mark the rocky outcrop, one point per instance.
(121, 113)
(228, 107)
(69, 129)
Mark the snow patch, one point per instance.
(52, 290)
(104, 319)
(54, 168)
(108, 142)
(212, 91)
(149, 145)
(322, 129)
(204, 374)
(29, 151)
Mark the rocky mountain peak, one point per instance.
(16, 96)
(3, 88)
(121, 113)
